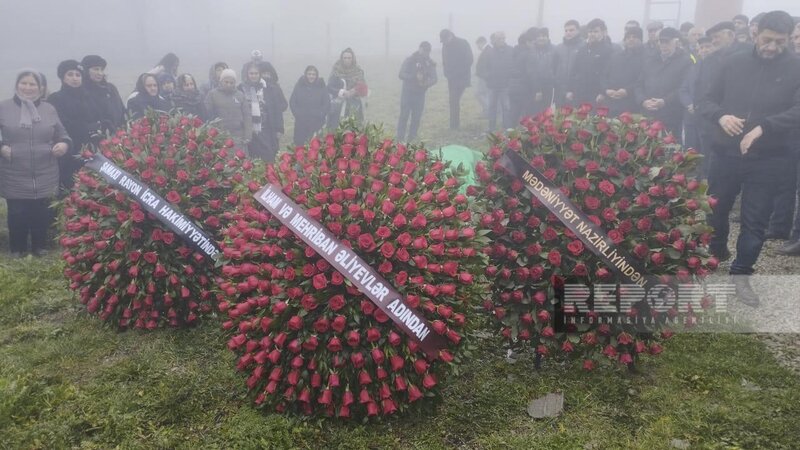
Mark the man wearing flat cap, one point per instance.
(657, 92)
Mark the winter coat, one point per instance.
(190, 103)
(105, 98)
(233, 111)
(140, 103)
(662, 79)
(310, 104)
(78, 114)
(496, 67)
(522, 75)
(457, 62)
(545, 62)
(565, 54)
(586, 80)
(32, 171)
(764, 92)
(623, 72)
(418, 73)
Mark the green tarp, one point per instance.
(458, 154)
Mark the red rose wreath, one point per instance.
(309, 341)
(127, 266)
(632, 182)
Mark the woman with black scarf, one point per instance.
(78, 115)
(187, 98)
(146, 97)
(310, 104)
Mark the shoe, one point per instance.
(775, 235)
(744, 292)
(723, 255)
(790, 249)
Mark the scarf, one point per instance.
(351, 75)
(254, 93)
(29, 114)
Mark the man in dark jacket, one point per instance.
(545, 62)
(586, 80)
(496, 69)
(565, 53)
(624, 71)
(418, 73)
(522, 78)
(103, 95)
(661, 80)
(755, 100)
(691, 120)
(657, 92)
(457, 68)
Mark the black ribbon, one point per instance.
(352, 267)
(168, 214)
(617, 259)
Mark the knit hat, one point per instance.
(227, 73)
(66, 66)
(90, 61)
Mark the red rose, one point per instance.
(173, 197)
(591, 202)
(320, 281)
(336, 302)
(606, 187)
(575, 247)
(582, 184)
(366, 242)
(554, 257)
(387, 249)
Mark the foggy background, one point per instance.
(133, 34)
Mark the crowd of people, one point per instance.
(732, 92)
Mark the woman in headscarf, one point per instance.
(78, 115)
(104, 95)
(229, 105)
(166, 87)
(310, 104)
(146, 96)
(267, 104)
(346, 86)
(187, 98)
(33, 139)
(213, 78)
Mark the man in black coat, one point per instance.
(624, 71)
(565, 54)
(755, 100)
(545, 63)
(457, 67)
(103, 95)
(586, 82)
(663, 74)
(418, 73)
(496, 68)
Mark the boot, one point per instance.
(744, 292)
(790, 249)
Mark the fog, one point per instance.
(132, 35)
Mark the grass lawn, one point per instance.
(66, 381)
